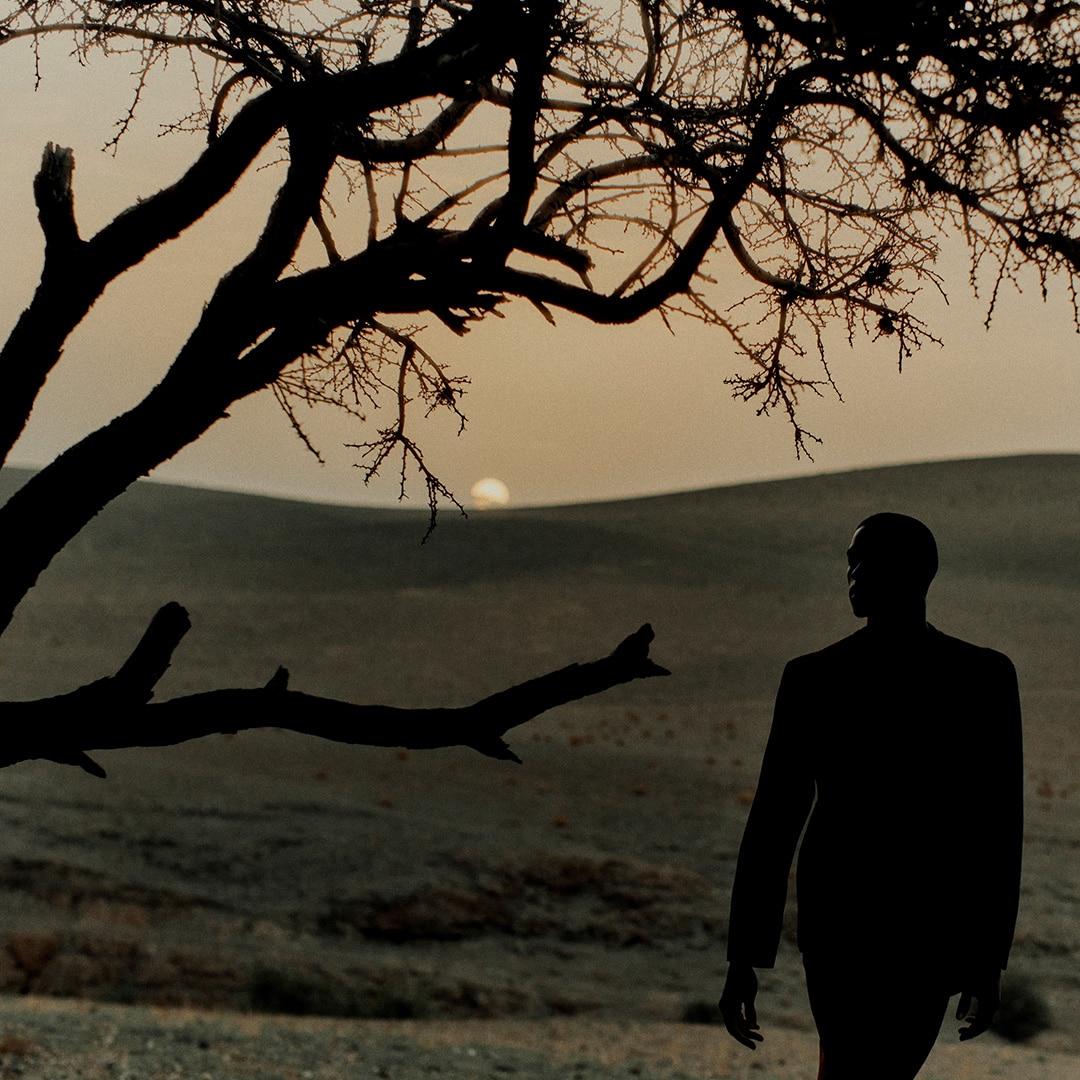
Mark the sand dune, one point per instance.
(276, 871)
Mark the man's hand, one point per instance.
(737, 1005)
(978, 1003)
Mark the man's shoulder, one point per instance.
(970, 653)
(841, 649)
(858, 644)
(839, 652)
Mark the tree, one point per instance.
(603, 159)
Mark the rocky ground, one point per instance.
(66, 1040)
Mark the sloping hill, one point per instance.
(741, 577)
(597, 870)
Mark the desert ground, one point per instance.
(272, 905)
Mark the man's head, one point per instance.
(891, 562)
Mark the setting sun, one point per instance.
(489, 493)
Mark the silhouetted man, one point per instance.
(902, 746)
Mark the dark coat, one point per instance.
(908, 764)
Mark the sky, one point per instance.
(559, 414)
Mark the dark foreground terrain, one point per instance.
(588, 888)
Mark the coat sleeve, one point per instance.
(997, 825)
(782, 802)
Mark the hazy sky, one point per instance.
(559, 414)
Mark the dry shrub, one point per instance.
(1024, 1012)
(566, 897)
(32, 951)
(299, 993)
(436, 913)
(700, 1012)
(14, 1045)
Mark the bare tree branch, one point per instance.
(471, 49)
(820, 155)
(113, 713)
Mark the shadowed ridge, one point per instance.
(690, 537)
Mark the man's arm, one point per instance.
(999, 821)
(784, 795)
(737, 1005)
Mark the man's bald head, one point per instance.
(891, 562)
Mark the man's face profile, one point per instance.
(887, 573)
(859, 574)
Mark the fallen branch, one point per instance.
(115, 713)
